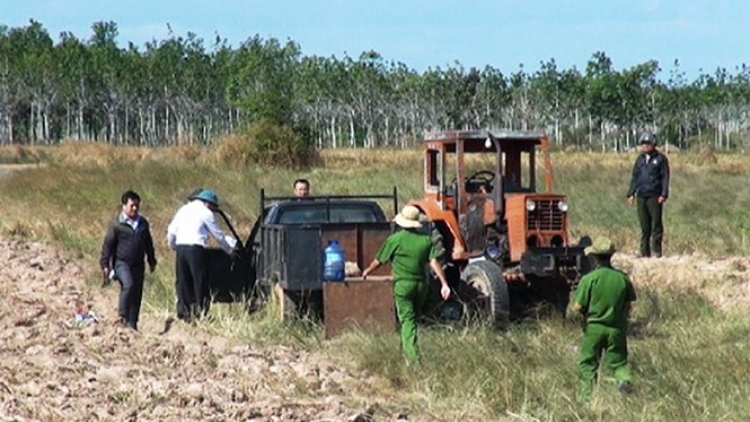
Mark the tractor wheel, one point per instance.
(485, 293)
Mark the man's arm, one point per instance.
(109, 248)
(149, 246)
(217, 233)
(374, 265)
(665, 177)
(633, 179)
(172, 234)
(445, 291)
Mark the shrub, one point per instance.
(269, 144)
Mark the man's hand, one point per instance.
(365, 273)
(630, 200)
(152, 267)
(105, 277)
(445, 292)
(661, 199)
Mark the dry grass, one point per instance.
(689, 336)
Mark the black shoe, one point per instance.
(625, 388)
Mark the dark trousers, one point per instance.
(192, 282)
(131, 292)
(652, 229)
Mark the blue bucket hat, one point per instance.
(207, 195)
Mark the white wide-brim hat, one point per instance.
(408, 218)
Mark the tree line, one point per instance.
(179, 91)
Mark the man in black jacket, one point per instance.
(127, 242)
(649, 189)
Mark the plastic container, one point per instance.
(333, 262)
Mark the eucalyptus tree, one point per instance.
(320, 82)
(741, 102)
(520, 112)
(107, 67)
(368, 93)
(602, 95)
(637, 93)
(461, 87)
(715, 101)
(407, 103)
(493, 99)
(221, 109)
(8, 87)
(264, 80)
(74, 63)
(32, 55)
(547, 89)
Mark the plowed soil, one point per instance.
(52, 369)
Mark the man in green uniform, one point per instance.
(409, 251)
(604, 297)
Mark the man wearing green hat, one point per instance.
(187, 235)
(604, 297)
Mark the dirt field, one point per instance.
(51, 370)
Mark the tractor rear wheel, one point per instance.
(485, 293)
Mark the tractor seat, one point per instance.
(476, 187)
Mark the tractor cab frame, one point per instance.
(482, 198)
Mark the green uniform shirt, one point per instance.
(603, 294)
(408, 251)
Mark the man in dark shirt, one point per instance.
(127, 242)
(649, 189)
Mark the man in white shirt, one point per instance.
(188, 234)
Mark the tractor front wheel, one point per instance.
(485, 293)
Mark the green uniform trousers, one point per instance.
(597, 339)
(410, 297)
(652, 228)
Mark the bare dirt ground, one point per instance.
(50, 371)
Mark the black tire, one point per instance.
(485, 293)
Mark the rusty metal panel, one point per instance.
(357, 304)
(360, 242)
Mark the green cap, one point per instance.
(207, 195)
(602, 246)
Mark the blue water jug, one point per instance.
(333, 262)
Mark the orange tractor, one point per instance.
(503, 237)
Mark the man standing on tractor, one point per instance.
(409, 251)
(604, 297)
(649, 189)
